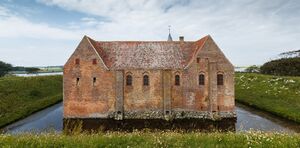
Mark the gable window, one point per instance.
(201, 79)
(77, 61)
(220, 79)
(146, 80)
(94, 81)
(128, 80)
(77, 81)
(177, 80)
(94, 61)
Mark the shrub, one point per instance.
(4, 68)
(282, 67)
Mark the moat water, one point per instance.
(51, 120)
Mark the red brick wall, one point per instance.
(87, 99)
(192, 96)
(99, 100)
(139, 97)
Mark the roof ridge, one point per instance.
(152, 41)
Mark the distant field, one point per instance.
(275, 94)
(51, 69)
(21, 96)
(153, 140)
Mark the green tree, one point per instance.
(282, 67)
(31, 69)
(4, 68)
(253, 69)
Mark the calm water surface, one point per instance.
(51, 119)
(38, 74)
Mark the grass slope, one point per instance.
(275, 94)
(21, 96)
(154, 139)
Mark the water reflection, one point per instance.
(149, 124)
(38, 74)
(51, 119)
(249, 118)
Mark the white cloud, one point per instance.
(192, 18)
(35, 52)
(3, 11)
(19, 27)
(13, 26)
(90, 21)
(249, 32)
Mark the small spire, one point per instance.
(170, 37)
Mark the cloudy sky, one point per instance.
(46, 32)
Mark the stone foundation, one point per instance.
(215, 116)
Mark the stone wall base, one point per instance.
(170, 115)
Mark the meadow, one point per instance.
(279, 95)
(22, 96)
(50, 69)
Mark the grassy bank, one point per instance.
(156, 139)
(21, 96)
(275, 94)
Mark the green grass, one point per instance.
(21, 96)
(275, 94)
(152, 139)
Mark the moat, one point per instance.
(51, 120)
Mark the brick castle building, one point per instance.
(148, 80)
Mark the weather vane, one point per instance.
(169, 29)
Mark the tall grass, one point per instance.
(21, 96)
(275, 94)
(152, 139)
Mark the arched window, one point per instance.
(220, 79)
(177, 80)
(201, 79)
(128, 80)
(146, 80)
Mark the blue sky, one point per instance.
(46, 32)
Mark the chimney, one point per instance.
(181, 38)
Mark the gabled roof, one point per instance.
(119, 55)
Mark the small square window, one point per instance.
(94, 81)
(77, 61)
(77, 81)
(220, 79)
(94, 61)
